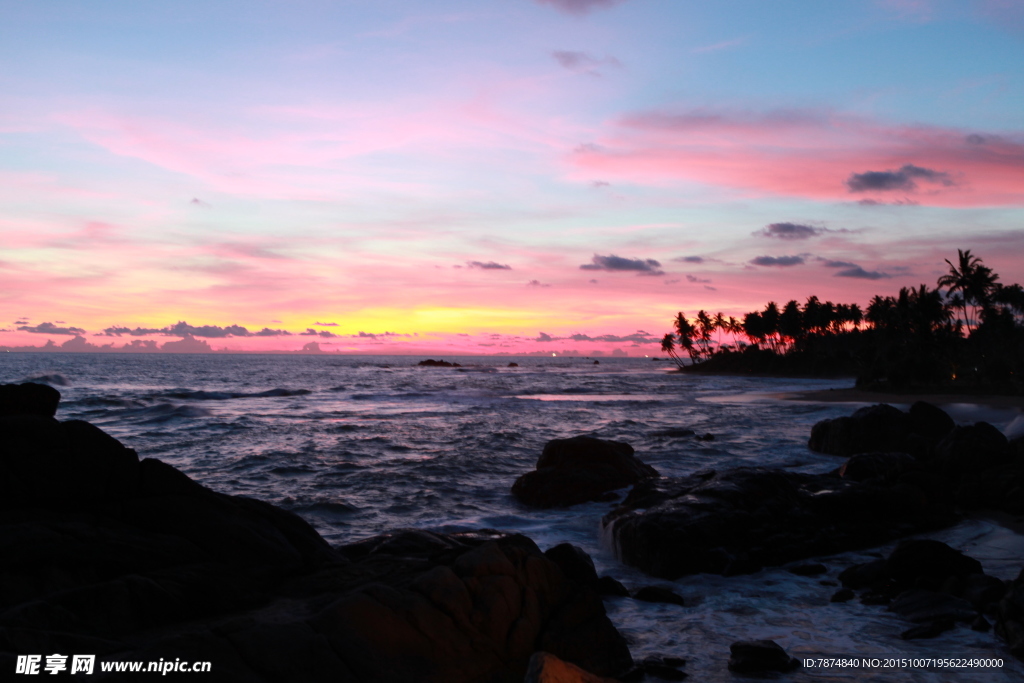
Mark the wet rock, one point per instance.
(513, 365)
(926, 606)
(807, 569)
(431, 363)
(981, 624)
(739, 520)
(882, 428)
(707, 437)
(864, 466)
(675, 432)
(574, 562)
(759, 656)
(580, 469)
(928, 630)
(658, 594)
(547, 668)
(842, 595)
(1010, 617)
(918, 558)
(860, 575)
(606, 585)
(29, 398)
(660, 668)
(131, 560)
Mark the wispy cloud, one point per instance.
(580, 7)
(488, 265)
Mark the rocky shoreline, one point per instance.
(130, 559)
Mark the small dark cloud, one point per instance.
(310, 332)
(789, 231)
(544, 337)
(196, 201)
(689, 259)
(137, 332)
(638, 337)
(600, 183)
(710, 288)
(489, 265)
(267, 332)
(900, 179)
(593, 282)
(183, 329)
(50, 328)
(320, 324)
(695, 279)
(838, 264)
(21, 322)
(620, 263)
(536, 283)
(671, 282)
(861, 274)
(782, 261)
(375, 335)
(579, 7)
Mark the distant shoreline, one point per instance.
(852, 395)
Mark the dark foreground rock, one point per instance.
(760, 656)
(133, 561)
(739, 520)
(1010, 616)
(580, 469)
(932, 585)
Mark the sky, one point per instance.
(490, 176)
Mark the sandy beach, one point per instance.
(852, 395)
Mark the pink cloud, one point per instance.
(807, 154)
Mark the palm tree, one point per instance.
(686, 334)
(668, 345)
(972, 280)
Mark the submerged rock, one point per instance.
(132, 560)
(580, 469)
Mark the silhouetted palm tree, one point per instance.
(972, 280)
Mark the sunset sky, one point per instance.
(482, 176)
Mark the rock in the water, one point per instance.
(864, 466)
(807, 569)
(574, 563)
(1010, 617)
(759, 656)
(29, 398)
(882, 428)
(659, 594)
(580, 469)
(842, 595)
(133, 560)
(607, 585)
(740, 520)
(431, 363)
(928, 558)
(930, 629)
(547, 668)
(927, 606)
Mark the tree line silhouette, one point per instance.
(967, 333)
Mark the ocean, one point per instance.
(358, 445)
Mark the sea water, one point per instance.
(358, 445)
